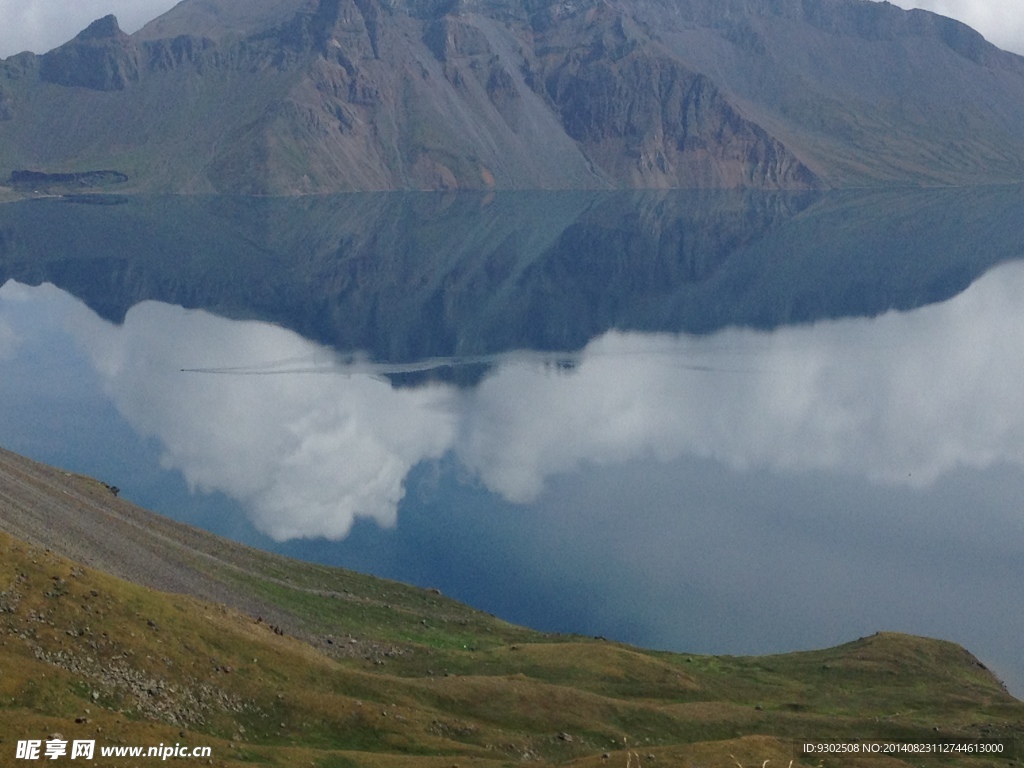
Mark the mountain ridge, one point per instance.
(303, 96)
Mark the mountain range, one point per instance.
(315, 96)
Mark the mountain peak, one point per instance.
(223, 19)
(101, 57)
(101, 28)
(289, 96)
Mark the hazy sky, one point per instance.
(39, 25)
(1001, 21)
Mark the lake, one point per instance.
(715, 422)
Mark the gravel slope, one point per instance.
(82, 519)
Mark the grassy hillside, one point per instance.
(329, 668)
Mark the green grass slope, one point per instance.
(339, 670)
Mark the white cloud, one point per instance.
(9, 341)
(902, 399)
(305, 453)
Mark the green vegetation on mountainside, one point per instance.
(365, 672)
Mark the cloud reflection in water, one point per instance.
(306, 454)
(902, 398)
(720, 478)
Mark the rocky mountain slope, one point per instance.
(290, 96)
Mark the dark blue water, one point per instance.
(714, 423)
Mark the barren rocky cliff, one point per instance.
(300, 96)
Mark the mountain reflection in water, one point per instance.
(684, 389)
(405, 277)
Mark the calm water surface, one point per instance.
(718, 423)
